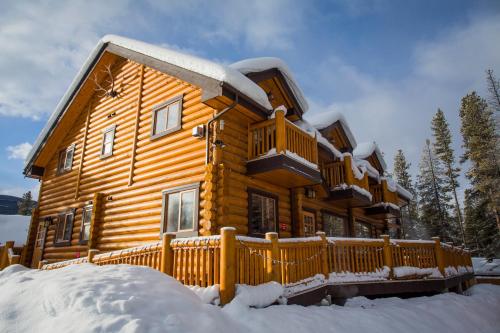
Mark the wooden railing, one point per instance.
(341, 173)
(228, 259)
(281, 136)
(381, 193)
(9, 255)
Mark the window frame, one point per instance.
(111, 129)
(62, 221)
(270, 195)
(344, 218)
(164, 210)
(88, 209)
(162, 106)
(309, 212)
(62, 169)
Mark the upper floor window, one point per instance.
(309, 220)
(64, 228)
(180, 210)
(108, 138)
(167, 117)
(86, 221)
(263, 212)
(65, 161)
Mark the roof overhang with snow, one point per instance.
(214, 79)
(365, 150)
(265, 68)
(328, 120)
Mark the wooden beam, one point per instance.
(136, 127)
(84, 144)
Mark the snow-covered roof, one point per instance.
(324, 119)
(394, 186)
(365, 166)
(204, 67)
(255, 65)
(364, 149)
(404, 192)
(305, 126)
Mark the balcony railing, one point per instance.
(280, 136)
(382, 194)
(340, 173)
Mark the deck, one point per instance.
(344, 267)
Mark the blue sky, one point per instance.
(386, 65)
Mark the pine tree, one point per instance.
(480, 148)
(480, 227)
(433, 207)
(494, 90)
(409, 215)
(26, 204)
(444, 152)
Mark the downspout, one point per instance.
(217, 116)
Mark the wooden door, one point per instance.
(309, 222)
(39, 244)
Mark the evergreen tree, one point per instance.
(480, 227)
(411, 225)
(480, 149)
(26, 204)
(444, 152)
(494, 90)
(433, 200)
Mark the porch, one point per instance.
(228, 259)
(386, 201)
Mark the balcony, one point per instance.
(385, 201)
(281, 153)
(348, 188)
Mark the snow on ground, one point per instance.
(482, 266)
(14, 227)
(122, 298)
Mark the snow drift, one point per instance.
(123, 298)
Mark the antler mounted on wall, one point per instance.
(110, 92)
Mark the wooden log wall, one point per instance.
(132, 179)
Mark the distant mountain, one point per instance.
(8, 204)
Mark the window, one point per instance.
(86, 220)
(108, 138)
(362, 230)
(65, 161)
(42, 231)
(180, 210)
(262, 212)
(167, 117)
(309, 223)
(64, 228)
(333, 225)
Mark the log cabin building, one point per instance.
(148, 140)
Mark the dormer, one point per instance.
(370, 152)
(333, 126)
(274, 77)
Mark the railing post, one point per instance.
(92, 253)
(438, 250)
(273, 269)
(167, 254)
(227, 264)
(324, 254)
(280, 131)
(349, 177)
(388, 255)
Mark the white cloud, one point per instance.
(397, 113)
(18, 191)
(19, 151)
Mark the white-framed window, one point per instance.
(167, 117)
(334, 225)
(108, 138)
(64, 228)
(65, 161)
(86, 221)
(180, 210)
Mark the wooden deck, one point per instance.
(228, 260)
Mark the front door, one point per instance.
(309, 221)
(39, 244)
